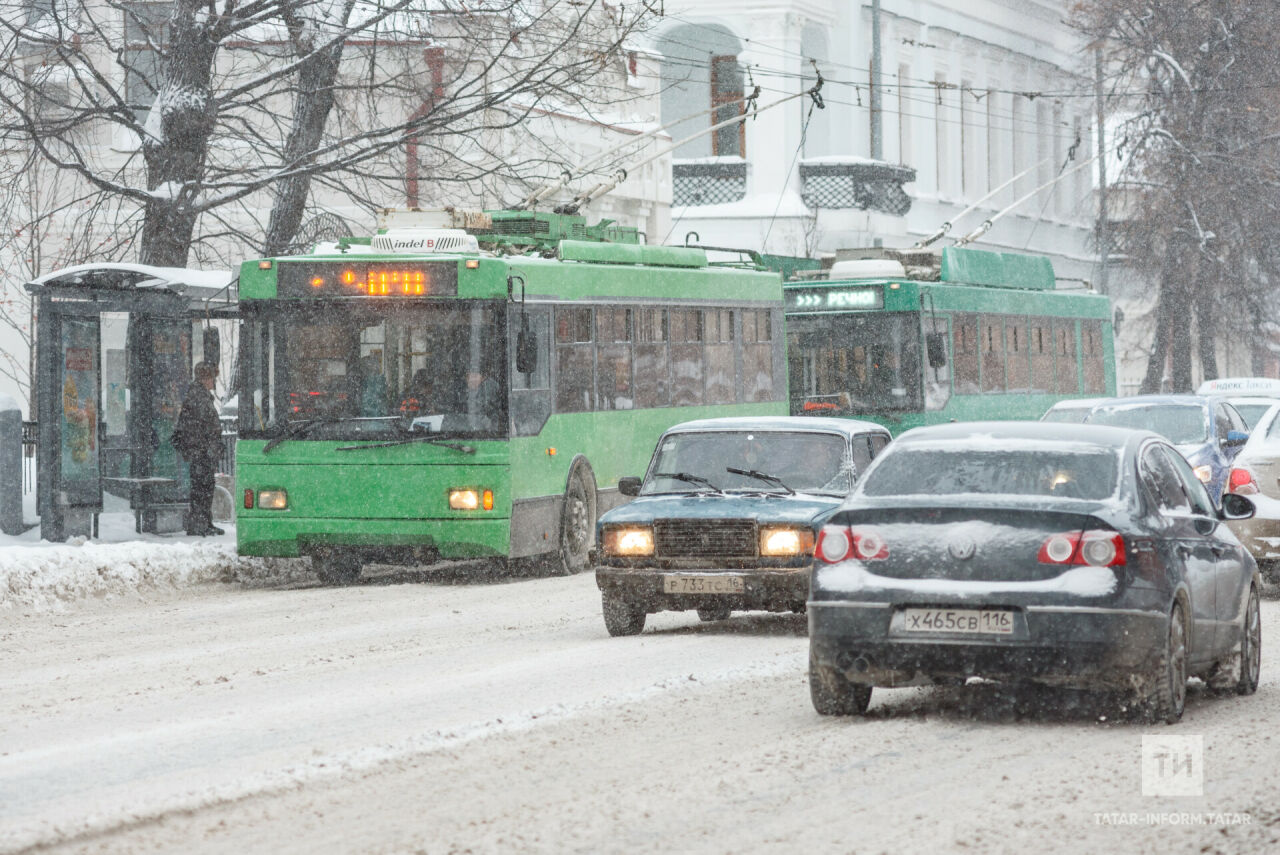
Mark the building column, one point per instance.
(774, 59)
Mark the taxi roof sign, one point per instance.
(1265, 386)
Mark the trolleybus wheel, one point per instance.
(577, 524)
(336, 568)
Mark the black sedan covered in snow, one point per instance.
(1022, 551)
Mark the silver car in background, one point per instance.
(1256, 473)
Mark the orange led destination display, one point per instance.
(312, 279)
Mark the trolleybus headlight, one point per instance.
(273, 500)
(778, 541)
(629, 540)
(470, 499)
(1204, 472)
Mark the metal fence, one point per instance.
(708, 183)
(30, 432)
(865, 186)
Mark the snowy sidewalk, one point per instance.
(39, 576)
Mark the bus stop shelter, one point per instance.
(115, 348)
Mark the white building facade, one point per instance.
(971, 93)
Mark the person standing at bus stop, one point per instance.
(198, 436)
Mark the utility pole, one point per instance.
(877, 144)
(1103, 232)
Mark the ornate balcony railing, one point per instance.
(708, 183)
(857, 184)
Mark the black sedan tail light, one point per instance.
(838, 543)
(1091, 548)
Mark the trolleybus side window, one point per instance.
(937, 363)
(531, 392)
(1041, 355)
(614, 389)
(1091, 357)
(686, 329)
(1064, 351)
(991, 343)
(757, 355)
(966, 332)
(653, 368)
(721, 388)
(575, 361)
(1017, 357)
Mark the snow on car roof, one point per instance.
(1077, 403)
(1020, 434)
(779, 423)
(1265, 386)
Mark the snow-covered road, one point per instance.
(439, 713)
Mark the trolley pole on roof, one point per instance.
(877, 142)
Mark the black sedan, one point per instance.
(1061, 554)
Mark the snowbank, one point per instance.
(46, 578)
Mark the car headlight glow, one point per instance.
(470, 499)
(1203, 472)
(776, 541)
(273, 500)
(628, 540)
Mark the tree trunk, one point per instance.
(311, 110)
(1151, 381)
(1207, 329)
(177, 143)
(1166, 302)
(176, 146)
(1180, 336)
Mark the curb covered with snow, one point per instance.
(49, 577)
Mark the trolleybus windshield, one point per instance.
(378, 372)
(855, 362)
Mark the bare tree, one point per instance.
(198, 115)
(42, 228)
(1201, 145)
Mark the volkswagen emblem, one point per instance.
(962, 548)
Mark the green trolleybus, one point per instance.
(920, 337)
(444, 393)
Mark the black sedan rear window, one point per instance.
(1044, 470)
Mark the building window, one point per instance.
(146, 34)
(726, 102)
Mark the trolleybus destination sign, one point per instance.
(835, 299)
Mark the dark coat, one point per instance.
(198, 433)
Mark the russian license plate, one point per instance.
(976, 621)
(690, 584)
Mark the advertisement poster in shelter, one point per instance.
(79, 414)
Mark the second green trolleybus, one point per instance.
(960, 335)
(414, 397)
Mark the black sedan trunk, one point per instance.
(964, 543)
